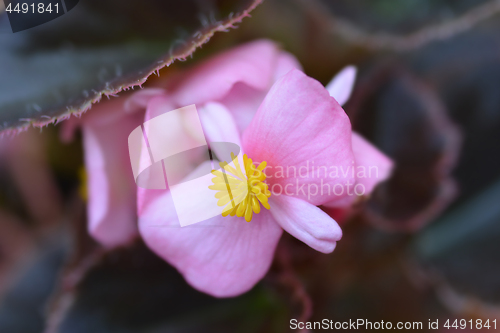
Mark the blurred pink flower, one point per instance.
(111, 189)
(297, 122)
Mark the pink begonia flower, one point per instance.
(111, 206)
(297, 121)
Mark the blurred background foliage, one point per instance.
(424, 246)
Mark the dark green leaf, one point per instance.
(100, 48)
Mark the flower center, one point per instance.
(242, 192)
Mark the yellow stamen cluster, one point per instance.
(241, 192)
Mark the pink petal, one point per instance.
(306, 222)
(171, 131)
(368, 156)
(157, 106)
(111, 186)
(223, 256)
(243, 100)
(251, 63)
(139, 100)
(299, 126)
(218, 124)
(340, 87)
(285, 63)
(372, 168)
